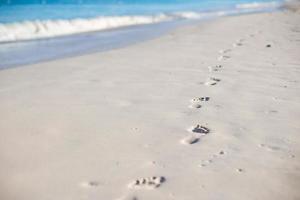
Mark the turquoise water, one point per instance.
(32, 31)
(27, 20)
(29, 10)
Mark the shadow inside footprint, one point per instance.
(215, 79)
(148, 183)
(223, 51)
(270, 147)
(200, 129)
(195, 105)
(200, 99)
(237, 44)
(190, 139)
(90, 184)
(215, 68)
(223, 57)
(212, 81)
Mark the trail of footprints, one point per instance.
(196, 133)
(199, 131)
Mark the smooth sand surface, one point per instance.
(209, 111)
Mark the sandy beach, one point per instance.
(208, 111)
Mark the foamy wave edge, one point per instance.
(29, 30)
(258, 5)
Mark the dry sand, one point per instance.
(209, 111)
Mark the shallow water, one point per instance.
(34, 51)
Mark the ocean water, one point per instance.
(33, 31)
(34, 19)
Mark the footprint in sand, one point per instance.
(268, 45)
(195, 105)
(90, 184)
(295, 30)
(238, 43)
(147, 183)
(128, 198)
(200, 99)
(214, 68)
(205, 163)
(191, 139)
(271, 112)
(278, 99)
(199, 129)
(270, 147)
(212, 81)
(240, 170)
(223, 51)
(195, 102)
(223, 57)
(292, 156)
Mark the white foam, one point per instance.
(256, 5)
(51, 28)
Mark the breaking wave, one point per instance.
(28, 30)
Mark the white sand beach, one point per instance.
(209, 111)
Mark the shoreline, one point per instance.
(97, 41)
(71, 46)
(49, 28)
(207, 111)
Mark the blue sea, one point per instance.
(28, 10)
(23, 23)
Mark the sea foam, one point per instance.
(257, 5)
